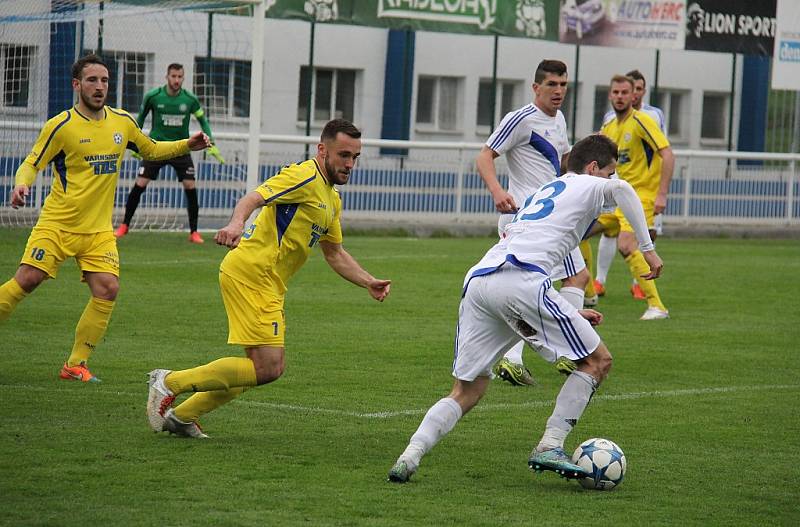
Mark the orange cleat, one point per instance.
(637, 292)
(599, 288)
(77, 373)
(121, 231)
(195, 237)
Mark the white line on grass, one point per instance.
(480, 408)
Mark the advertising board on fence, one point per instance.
(786, 60)
(623, 23)
(734, 26)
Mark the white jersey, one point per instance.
(555, 219)
(652, 111)
(534, 144)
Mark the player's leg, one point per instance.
(184, 168)
(24, 281)
(481, 338)
(40, 260)
(148, 171)
(606, 249)
(591, 295)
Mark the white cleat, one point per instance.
(654, 313)
(173, 425)
(590, 301)
(159, 399)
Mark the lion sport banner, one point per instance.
(732, 26)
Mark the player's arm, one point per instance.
(230, 234)
(503, 201)
(348, 268)
(623, 194)
(667, 168)
(46, 146)
(200, 115)
(157, 150)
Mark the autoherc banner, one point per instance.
(513, 18)
(734, 26)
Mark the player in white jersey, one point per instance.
(534, 141)
(607, 246)
(508, 296)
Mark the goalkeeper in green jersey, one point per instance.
(172, 105)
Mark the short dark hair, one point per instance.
(621, 78)
(77, 68)
(556, 67)
(332, 128)
(174, 66)
(637, 76)
(595, 147)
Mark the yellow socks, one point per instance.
(586, 252)
(221, 374)
(203, 402)
(11, 294)
(90, 329)
(638, 266)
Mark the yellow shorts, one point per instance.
(649, 205)
(255, 316)
(47, 249)
(610, 224)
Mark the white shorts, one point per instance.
(572, 264)
(500, 308)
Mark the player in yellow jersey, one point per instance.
(300, 208)
(641, 142)
(85, 144)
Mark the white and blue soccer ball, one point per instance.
(603, 459)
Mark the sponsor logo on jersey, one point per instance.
(182, 108)
(627, 137)
(172, 120)
(103, 164)
(322, 206)
(85, 140)
(117, 138)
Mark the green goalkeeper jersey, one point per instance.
(171, 114)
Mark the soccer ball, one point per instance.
(604, 460)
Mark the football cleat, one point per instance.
(159, 399)
(556, 460)
(516, 374)
(565, 365)
(591, 301)
(121, 231)
(77, 373)
(195, 237)
(173, 425)
(654, 313)
(599, 288)
(401, 472)
(638, 294)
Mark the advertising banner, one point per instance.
(733, 26)
(623, 23)
(786, 60)
(513, 18)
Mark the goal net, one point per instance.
(39, 41)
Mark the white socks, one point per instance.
(606, 249)
(573, 295)
(570, 404)
(440, 419)
(515, 353)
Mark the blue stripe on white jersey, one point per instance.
(546, 148)
(510, 125)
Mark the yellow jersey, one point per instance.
(638, 139)
(86, 156)
(300, 208)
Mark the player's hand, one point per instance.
(136, 155)
(199, 141)
(18, 196)
(229, 235)
(660, 204)
(594, 317)
(504, 202)
(655, 263)
(379, 289)
(214, 151)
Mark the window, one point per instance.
(333, 94)
(438, 101)
(715, 116)
(507, 98)
(601, 106)
(223, 86)
(16, 64)
(673, 104)
(127, 78)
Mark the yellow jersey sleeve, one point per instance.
(334, 234)
(149, 148)
(291, 185)
(47, 145)
(649, 131)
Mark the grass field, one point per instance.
(704, 404)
